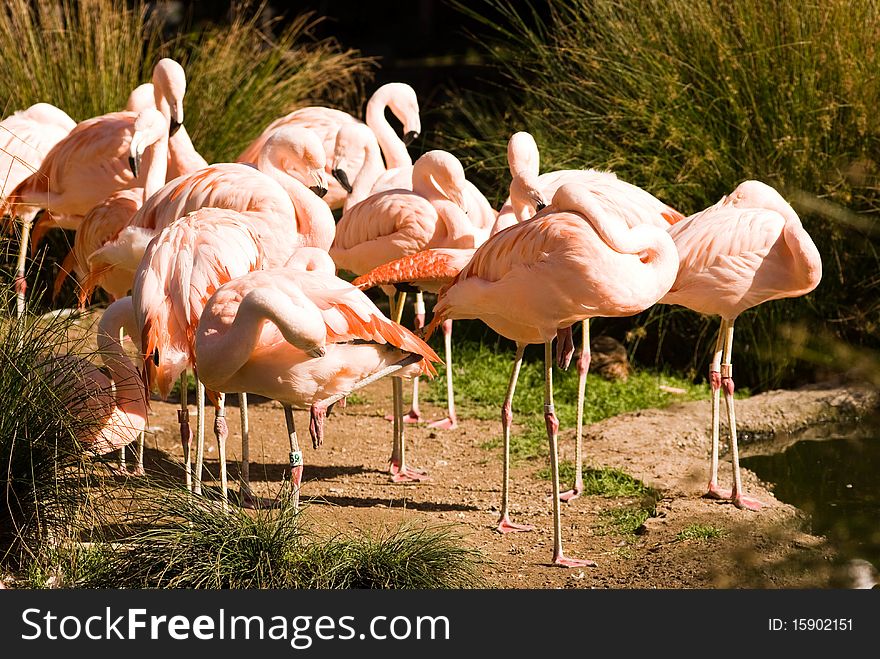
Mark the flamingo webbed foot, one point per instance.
(746, 503)
(573, 493)
(404, 474)
(715, 492)
(507, 526)
(561, 560)
(446, 423)
(413, 416)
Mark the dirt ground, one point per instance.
(347, 487)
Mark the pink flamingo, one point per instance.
(373, 179)
(25, 138)
(399, 97)
(300, 338)
(180, 270)
(115, 407)
(748, 248)
(570, 262)
(619, 200)
(357, 151)
(391, 224)
(148, 159)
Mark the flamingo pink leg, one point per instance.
(400, 472)
(583, 367)
(739, 499)
(414, 414)
(296, 458)
(564, 347)
(185, 432)
(317, 416)
(221, 432)
(714, 491)
(552, 423)
(395, 312)
(504, 523)
(451, 420)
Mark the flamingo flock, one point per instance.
(230, 270)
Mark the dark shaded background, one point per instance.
(421, 42)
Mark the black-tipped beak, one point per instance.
(319, 190)
(134, 163)
(156, 356)
(175, 126)
(540, 206)
(410, 136)
(342, 177)
(316, 352)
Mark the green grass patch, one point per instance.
(624, 521)
(481, 374)
(701, 532)
(602, 481)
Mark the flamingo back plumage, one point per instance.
(181, 269)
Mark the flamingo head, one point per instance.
(523, 157)
(169, 83)
(352, 138)
(300, 153)
(444, 173)
(404, 105)
(149, 128)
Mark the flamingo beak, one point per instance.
(540, 206)
(316, 352)
(342, 177)
(410, 136)
(134, 154)
(320, 187)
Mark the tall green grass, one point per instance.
(686, 99)
(43, 481)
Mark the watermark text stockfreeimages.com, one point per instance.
(300, 631)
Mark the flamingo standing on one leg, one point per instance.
(429, 271)
(620, 200)
(373, 178)
(570, 262)
(300, 337)
(399, 97)
(391, 224)
(748, 248)
(25, 139)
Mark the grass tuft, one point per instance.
(701, 532)
(182, 541)
(624, 521)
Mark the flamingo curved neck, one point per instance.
(371, 170)
(392, 146)
(220, 355)
(807, 263)
(155, 164)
